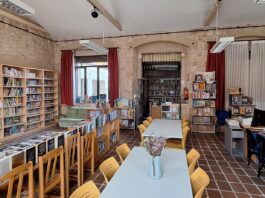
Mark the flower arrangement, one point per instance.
(154, 145)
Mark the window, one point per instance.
(91, 79)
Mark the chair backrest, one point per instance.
(87, 153)
(87, 190)
(192, 155)
(108, 168)
(221, 116)
(49, 177)
(185, 132)
(123, 150)
(17, 175)
(146, 123)
(184, 124)
(72, 159)
(192, 166)
(199, 181)
(141, 128)
(150, 119)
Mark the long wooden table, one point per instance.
(167, 128)
(132, 181)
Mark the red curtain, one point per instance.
(67, 77)
(113, 68)
(216, 62)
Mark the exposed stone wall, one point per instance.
(18, 47)
(192, 44)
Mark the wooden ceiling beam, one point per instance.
(105, 13)
(212, 13)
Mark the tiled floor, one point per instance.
(230, 177)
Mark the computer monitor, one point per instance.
(259, 118)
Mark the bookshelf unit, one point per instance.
(203, 112)
(127, 117)
(51, 107)
(23, 99)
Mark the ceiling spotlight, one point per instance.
(94, 13)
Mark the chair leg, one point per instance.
(259, 169)
(249, 157)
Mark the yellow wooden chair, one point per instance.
(108, 168)
(87, 154)
(146, 123)
(87, 190)
(183, 120)
(199, 181)
(149, 119)
(49, 176)
(17, 174)
(184, 124)
(192, 155)
(141, 128)
(72, 161)
(123, 150)
(179, 144)
(192, 166)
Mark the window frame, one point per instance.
(90, 65)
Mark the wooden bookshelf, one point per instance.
(22, 95)
(203, 112)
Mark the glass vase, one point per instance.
(155, 171)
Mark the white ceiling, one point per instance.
(71, 19)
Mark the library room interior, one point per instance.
(132, 98)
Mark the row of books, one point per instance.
(203, 112)
(12, 120)
(13, 92)
(127, 124)
(101, 146)
(203, 120)
(33, 119)
(33, 112)
(33, 90)
(48, 83)
(126, 113)
(203, 103)
(49, 90)
(122, 102)
(13, 130)
(113, 138)
(9, 102)
(34, 97)
(32, 82)
(12, 82)
(12, 111)
(12, 72)
(204, 95)
(31, 105)
(204, 86)
(31, 75)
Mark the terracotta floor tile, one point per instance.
(245, 179)
(237, 187)
(223, 185)
(227, 194)
(232, 178)
(219, 176)
(214, 193)
(243, 195)
(252, 189)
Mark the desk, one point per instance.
(166, 128)
(132, 181)
(253, 129)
